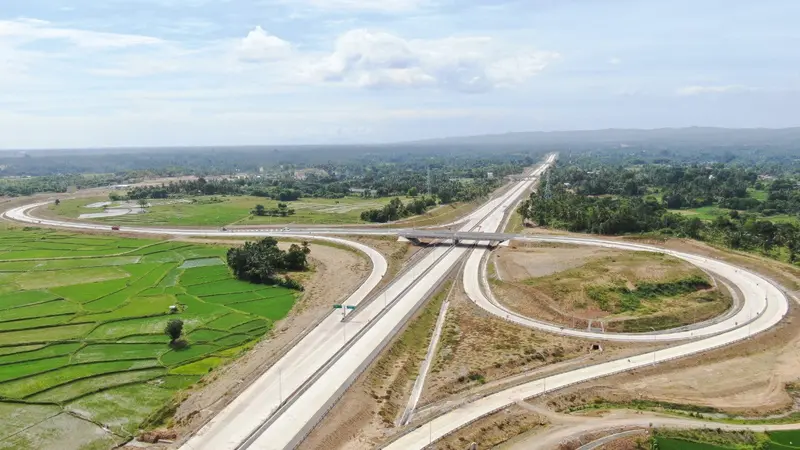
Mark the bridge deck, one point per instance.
(456, 235)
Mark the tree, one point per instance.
(445, 196)
(143, 203)
(259, 210)
(57, 202)
(263, 261)
(296, 259)
(412, 192)
(174, 329)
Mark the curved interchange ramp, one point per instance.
(765, 306)
(327, 359)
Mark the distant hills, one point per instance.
(705, 137)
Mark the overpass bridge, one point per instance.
(457, 237)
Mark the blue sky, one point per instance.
(89, 73)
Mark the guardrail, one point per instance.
(362, 367)
(255, 434)
(262, 368)
(487, 292)
(585, 380)
(416, 258)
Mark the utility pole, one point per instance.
(429, 179)
(548, 193)
(654, 342)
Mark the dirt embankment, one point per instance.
(747, 379)
(337, 273)
(477, 348)
(478, 354)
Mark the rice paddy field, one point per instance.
(84, 360)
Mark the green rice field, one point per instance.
(82, 341)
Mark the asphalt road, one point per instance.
(292, 424)
(280, 408)
(318, 357)
(765, 306)
(754, 288)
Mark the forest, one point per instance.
(656, 198)
(461, 177)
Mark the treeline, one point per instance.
(263, 262)
(396, 210)
(447, 184)
(686, 186)
(282, 190)
(623, 215)
(17, 187)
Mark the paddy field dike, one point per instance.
(83, 353)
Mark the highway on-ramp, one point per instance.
(283, 405)
(765, 306)
(279, 409)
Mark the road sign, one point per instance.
(350, 307)
(337, 306)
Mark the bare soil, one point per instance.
(578, 286)
(479, 353)
(627, 443)
(494, 430)
(519, 262)
(337, 273)
(749, 378)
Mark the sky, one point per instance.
(111, 73)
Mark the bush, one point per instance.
(291, 284)
(174, 329)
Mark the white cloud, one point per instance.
(700, 90)
(367, 5)
(469, 64)
(259, 45)
(614, 61)
(27, 30)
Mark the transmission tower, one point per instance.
(429, 180)
(548, 193)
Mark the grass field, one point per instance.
(81, 331)
(709, 213)
(228, 211)
(225, 211)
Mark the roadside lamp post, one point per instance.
(654, 341)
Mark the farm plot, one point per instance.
(82, 331)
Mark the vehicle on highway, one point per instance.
(115, 228)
